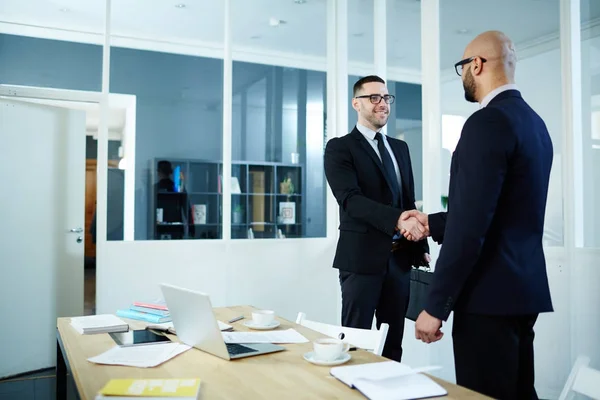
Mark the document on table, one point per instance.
(286, 336)
(140, 356)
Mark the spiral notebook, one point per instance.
(389, 380)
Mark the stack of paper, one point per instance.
(389, 380)
(104, 323)
(140, 356)
(117, 389)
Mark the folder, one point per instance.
(388, 380)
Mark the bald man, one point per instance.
(491, 270)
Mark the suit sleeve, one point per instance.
(483, 153)
(341, 176)
(437, 225)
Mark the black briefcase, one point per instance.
(420, 279)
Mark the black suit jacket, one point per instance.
(367, 217)
(492, 261)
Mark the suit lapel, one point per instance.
(359, 136)
(365, 145)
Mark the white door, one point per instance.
(42, 170)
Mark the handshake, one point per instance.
(413, 225)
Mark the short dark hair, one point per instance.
(367, 79)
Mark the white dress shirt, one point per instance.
(486, 100)
(370, 136)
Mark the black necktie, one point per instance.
(390, 172)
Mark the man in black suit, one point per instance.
(371, 177)
(491, 270)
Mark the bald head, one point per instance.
(499, 52)
(493, 64)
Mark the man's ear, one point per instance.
(476, 67)
(355, 105)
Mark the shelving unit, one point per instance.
(264, 193)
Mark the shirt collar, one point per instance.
(368, 133)
(486, 100)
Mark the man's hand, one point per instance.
(428, 328)
(423, 220)
(427, 257)
(411, 228)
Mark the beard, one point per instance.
(469, 86)
(376, 121)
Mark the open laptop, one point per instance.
(196, 325)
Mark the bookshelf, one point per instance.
(266, 200)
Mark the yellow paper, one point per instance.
(152, 387)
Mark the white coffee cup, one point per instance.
(263, 317)
(329, 349)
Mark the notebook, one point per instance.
(388, 380)
(142, 316)
(103, 323)
(179, 389)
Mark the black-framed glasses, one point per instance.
(376, 98)
(458, 67)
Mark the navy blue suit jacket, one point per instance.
(367, 217)
(492, 261)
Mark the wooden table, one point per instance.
(282, 375)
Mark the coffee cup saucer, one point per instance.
(343, 358)
(252, 325)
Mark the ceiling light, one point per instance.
(299, 1)
(462, 31)
(275, 22)
(180, 5)
(254, 37)
(64, 10)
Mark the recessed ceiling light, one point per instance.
(299, 1)
(462, 31)
(180, 5)
(64, 9)
(275, 22)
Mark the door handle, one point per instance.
(76, 230)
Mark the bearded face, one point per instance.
(469, 86)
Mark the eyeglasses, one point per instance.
(458, 67)
(376, 98)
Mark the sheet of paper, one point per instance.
(286, 336)
(378, 370)
(414, 386)
(140, 356)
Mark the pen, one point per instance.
(236, 319)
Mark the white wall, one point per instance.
(287, 275)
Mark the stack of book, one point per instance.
(104, 323)
(156, 313)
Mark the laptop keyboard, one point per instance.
(235, 349)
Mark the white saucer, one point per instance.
(310, 357)
(250, 324)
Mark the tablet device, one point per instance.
(138, 337)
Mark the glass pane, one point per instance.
(538, 77)
(590, 157)
(278, 190)
(170, 141)
(62, 64)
